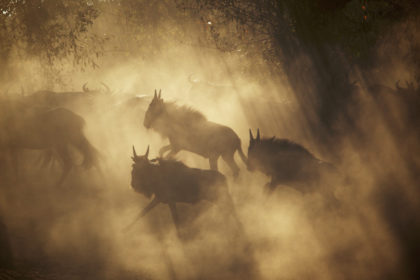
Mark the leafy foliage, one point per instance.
(49, 29)
(351, 25)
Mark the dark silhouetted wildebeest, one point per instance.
(170, 182)
(189, 130)
(287, 163)
(399, 106)
(56, 131)
(74, 100)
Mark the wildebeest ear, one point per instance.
(258, 135)
(147, 152)
(251, 137)
(134, 153)
(159, 96)
(155, 96)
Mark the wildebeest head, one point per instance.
(140, 166)
(155, 109)
(253, 160)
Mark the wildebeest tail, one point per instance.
(241, 153)
(90, 154)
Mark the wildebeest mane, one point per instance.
(274, 144)
(184, 114)
(169, 163)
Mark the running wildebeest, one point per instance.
(69, 99)
(54, 131)
(170, 182)
(404, 99)
(189, 130)
(287, 163)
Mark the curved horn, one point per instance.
(134, 152)
(159, 96)
(85, 89)
(155, 96)
(251, 137)
(397, 85)
(258, 135)
(147, 152)
(106, 87)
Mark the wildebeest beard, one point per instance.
(143, 178)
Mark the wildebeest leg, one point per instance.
(149, 207)
(213, 162)
(143, 212)
(229, 209)
(174, 213)
(228, 158)
(46, 158)
(14, 157)
(164, 149)
(67, 164)
(66, 171)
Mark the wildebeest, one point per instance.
(287, 163)
(404, 99)
(68, 99)
(170, 182)
(189, 130)
(56, 131)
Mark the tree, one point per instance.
(48, 30)
(331, 37)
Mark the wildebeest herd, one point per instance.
(47, 125)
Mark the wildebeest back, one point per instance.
(189, 185)
(205, 138)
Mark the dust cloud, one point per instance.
(77, 230)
